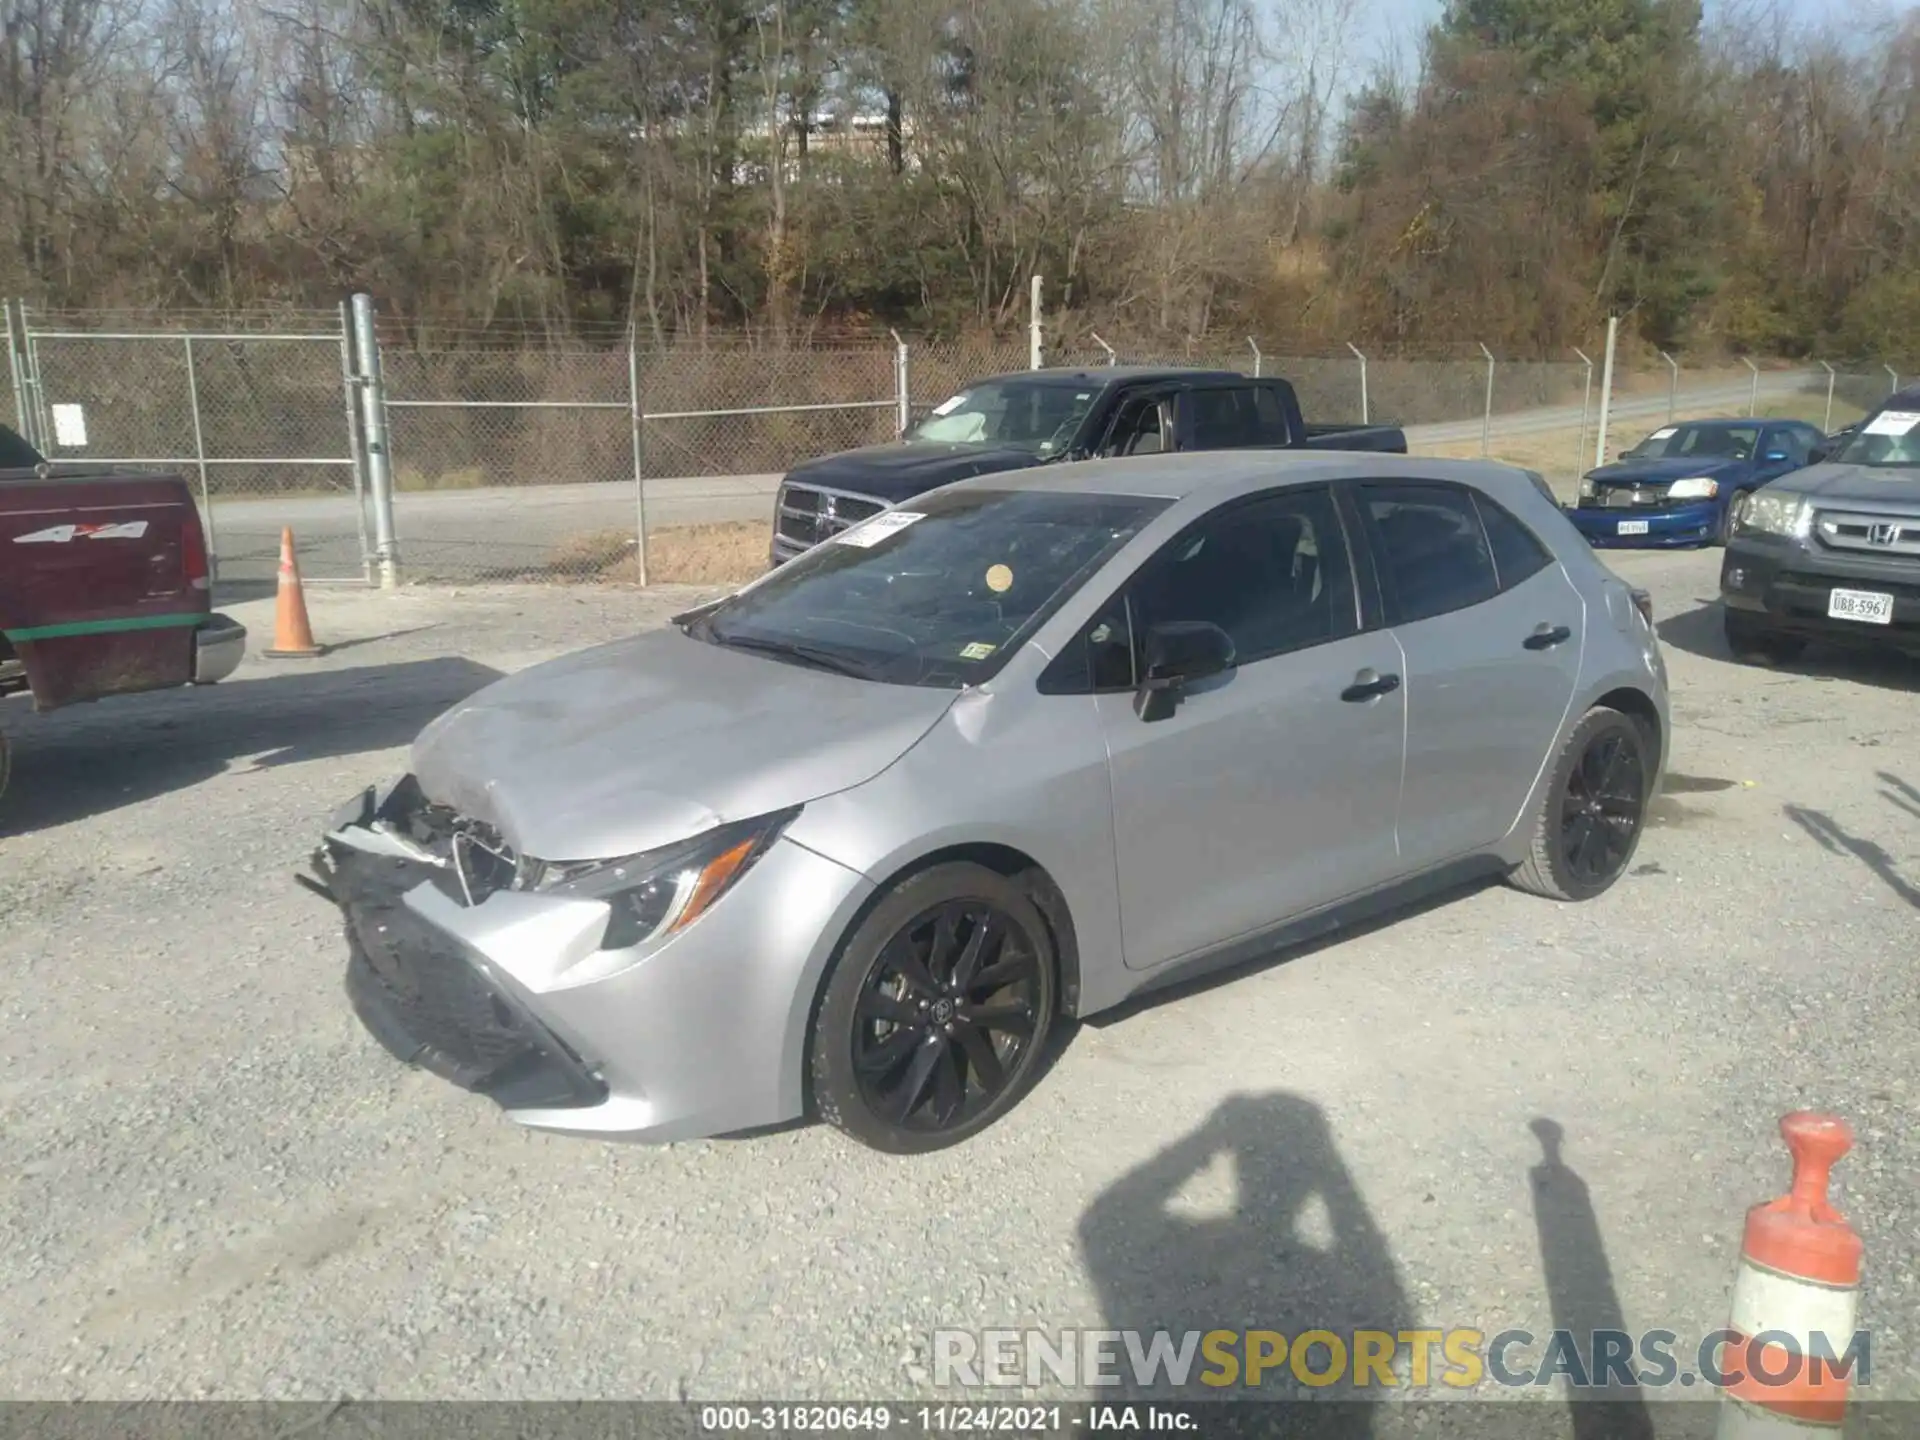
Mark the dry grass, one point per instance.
(410, 478)
(722, 554)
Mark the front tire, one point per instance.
(1751, 641)
(1589, 821)
(933, 1018)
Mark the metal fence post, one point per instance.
(1034, 349)
(15, 373)
(902, 389)
(1673, 384)
(200, 458)
(1112, 358)
(1257, 357)
(356, 451)
(373, 392)
(1606, 394)
(637, 421)
(1365, 418)
(42, 432)
(1586, 399)
(1753, 394)
(1486, 416)
(1826, 422)
(1893, 375)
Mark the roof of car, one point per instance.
(1174, 477)
(1726, 422)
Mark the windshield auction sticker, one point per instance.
(869, 533)
(1893, 422)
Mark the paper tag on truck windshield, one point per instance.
(869, 533)
(947, 407)
(1893, 422)
(1663, 434)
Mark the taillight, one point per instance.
(193, 553)
(1643, 602)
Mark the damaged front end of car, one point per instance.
(432, 999)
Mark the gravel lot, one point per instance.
(215, 1185)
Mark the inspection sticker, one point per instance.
(978, 650)
(871, 532)
(999, 579)
(1893, 422)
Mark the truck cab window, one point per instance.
(1137, 430)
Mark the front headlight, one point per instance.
(661, 892)
(1765, 514)
(1697, 488)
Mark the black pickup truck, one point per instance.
(1041, 417)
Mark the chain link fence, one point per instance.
(552, 462)
(256, 420)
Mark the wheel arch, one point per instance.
(1004, 860)
(1637, 705)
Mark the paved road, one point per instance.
(215, 1185)
(469, 534)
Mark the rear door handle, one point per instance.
(1545, 637)
(1370, 685)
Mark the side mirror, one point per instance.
(1818, 455)
(1178, 652)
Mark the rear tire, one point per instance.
(1592, 812)
(1753, 641)
(934, 1016)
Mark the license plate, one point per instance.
(1868, 605)
(1631, 527)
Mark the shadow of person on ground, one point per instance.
(1584, 1301)
(1831, 837)
(1252, 1222)
(85, 760)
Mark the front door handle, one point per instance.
(1370, 685)
(1545, 637)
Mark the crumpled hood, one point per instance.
(899, 471)
(1661, 472)
(644, 742)
(1870, 486)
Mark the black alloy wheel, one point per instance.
(933, 1020)
(1591, 817)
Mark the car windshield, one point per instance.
(1888, 441)
(937, 593)
(1681, 442)
(1038, 416)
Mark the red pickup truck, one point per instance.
(104, 585)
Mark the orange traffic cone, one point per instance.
(1791, 1347)
(292, 634)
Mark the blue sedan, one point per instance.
(1681, 485)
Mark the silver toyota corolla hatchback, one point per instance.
(850, 840)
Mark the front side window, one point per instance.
(938, 593)
(1434, 553)
(1041, 417)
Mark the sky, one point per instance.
(1384, 26)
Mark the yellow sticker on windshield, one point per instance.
(978, 650)
(999, 579)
